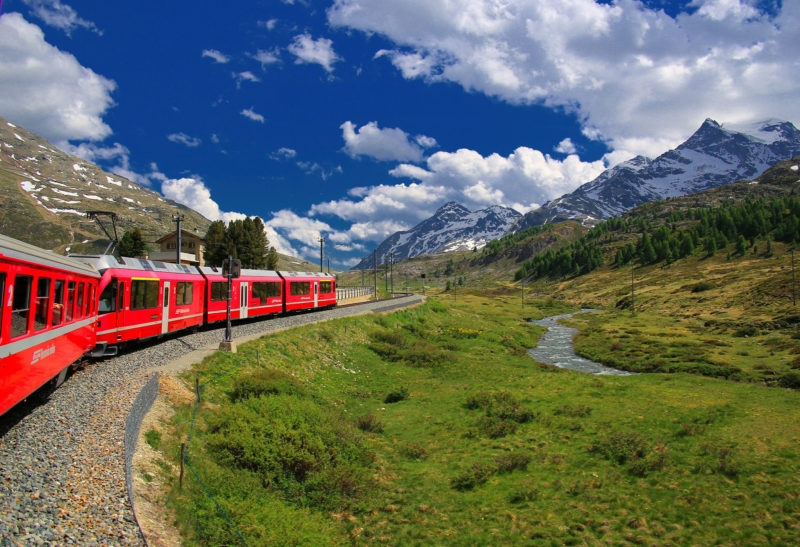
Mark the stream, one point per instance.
(555, 347)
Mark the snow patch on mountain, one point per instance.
(452, 228)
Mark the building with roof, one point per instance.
(192, 247)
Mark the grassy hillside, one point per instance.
(432, 426)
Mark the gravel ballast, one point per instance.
(62, 458)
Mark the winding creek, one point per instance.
(556, 348)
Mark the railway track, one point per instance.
(62, 479)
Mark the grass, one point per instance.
(653, 458)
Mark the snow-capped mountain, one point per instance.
(452, 228)
(714, 155)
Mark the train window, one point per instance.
(42, 303)
(185, 293)
(325, 286)
(70, 301)
(266, 289)
(90, 301)
(144, 294)
(219, 291)
(108, 298)
(2, 297)
(79, 308)
(121, 293)
(58, 303)
(21, 305)
(300, 288)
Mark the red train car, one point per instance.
(253, 293)
(47, 317)
(144, 298)
(303, 290)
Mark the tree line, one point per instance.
(711, 230)
(242, 239)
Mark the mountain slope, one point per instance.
(713, 156)
(45, 194)
(452, 228)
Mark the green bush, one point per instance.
(623, 446)
(293, 445)
(790, 379)
(369, 423)
(702, 286)
(397, 395)
(472, 477)
(267, 381)
(506, 463)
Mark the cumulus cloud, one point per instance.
(635, 77)
(48, 91)
(388, 144)
(284, 153)
(308, 50)
(216, 55)
(251, 114)
(566, 146)
(184, 139)
(60, 16)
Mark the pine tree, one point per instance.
(216, 244)
(272, 259)
(132, 244)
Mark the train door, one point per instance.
(316, 293)
(165, 309)
(243, 296)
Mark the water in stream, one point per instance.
(555, 348)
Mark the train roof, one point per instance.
(106, 262)
(19, 250)
(208, 270)
(307, 274)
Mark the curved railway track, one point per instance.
(62, 479)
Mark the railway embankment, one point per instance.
(62, 479)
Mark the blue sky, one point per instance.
(358, 118)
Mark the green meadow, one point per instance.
(432, 426)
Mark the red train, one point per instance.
(56, 309)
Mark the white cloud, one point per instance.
(269, 24)
(46, 90)
(266, 57)
(566, 146)
(390, 144)
(284, 153)
(305, 230)
(308, 50)
(216, 55)
(251, 114)
(184, 139)
(245, 76)
(192, 192)
(60, 16)
(635, 77)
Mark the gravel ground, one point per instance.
(62, 460)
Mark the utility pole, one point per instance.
(178, 219)
(321, 253)
(794, 290)
(375, 269)
(391, 269)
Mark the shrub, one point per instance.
(623, 446)
(574, 411)
(494, 428)
(415, 451)
(472, 477)
(293, 445)
(267, 381)
(153, 438)
(702, 286)
(525, 491)
(790, 379)
(720, 457)
(399, 394)
(506, 463)
(655, 460)
(369, 423)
